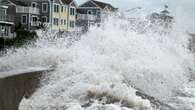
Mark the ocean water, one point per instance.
(106, 66)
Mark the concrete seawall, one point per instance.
(14, 85)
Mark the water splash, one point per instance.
(109, 61)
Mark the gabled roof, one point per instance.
(70, 2)
(20, 3)
(67, 1)
(3, 2)
(165, 12)
(100, 4)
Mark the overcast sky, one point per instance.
(184, 10)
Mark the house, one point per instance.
(26, 13)
(92, 12)
(6, 21)
(163, 20)
(71, 15)
(56, 15)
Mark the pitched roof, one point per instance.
(67, 1)
(103, 4)
(20, 3)
(3, 2)
(165, 12)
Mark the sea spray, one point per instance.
(102, 62)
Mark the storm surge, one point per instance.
(105, 67)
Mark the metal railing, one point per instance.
(7, 18)
(22, 9)
(86, 17)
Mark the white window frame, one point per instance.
(22, 19)
(62, 22)
(73, 12)
(65, 22)
(34, 3)
(65, 10)
(90, 11)
(35, 17)
(45, 11)
(2, 28)
(3, 11)
(72, 24)
(62, 9)
(57, 5)
(98, 12)
(56, 21)
(46, 18)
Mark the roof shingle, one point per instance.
(67, 1)
(103, 4)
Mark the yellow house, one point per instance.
(63, 15)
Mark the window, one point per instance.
(98, 14)
(62, 21)
(72, 24)
(24, 19)
(34, 19)
(56, 8)
(45, 7)
(34, 4)
(56, 21)
(62, 9)
(72, 11)
(89, 12)
(2, 11)
(2, 28)
(44, 19)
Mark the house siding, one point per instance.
(5, 23)
(60, 16)
(64, 17)
(98, 12)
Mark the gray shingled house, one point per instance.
(6, 21)
(26, 13)
(92, 12)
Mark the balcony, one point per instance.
(86, 17)
(31, 10)
(6, 18)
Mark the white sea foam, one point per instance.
(107, 61)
